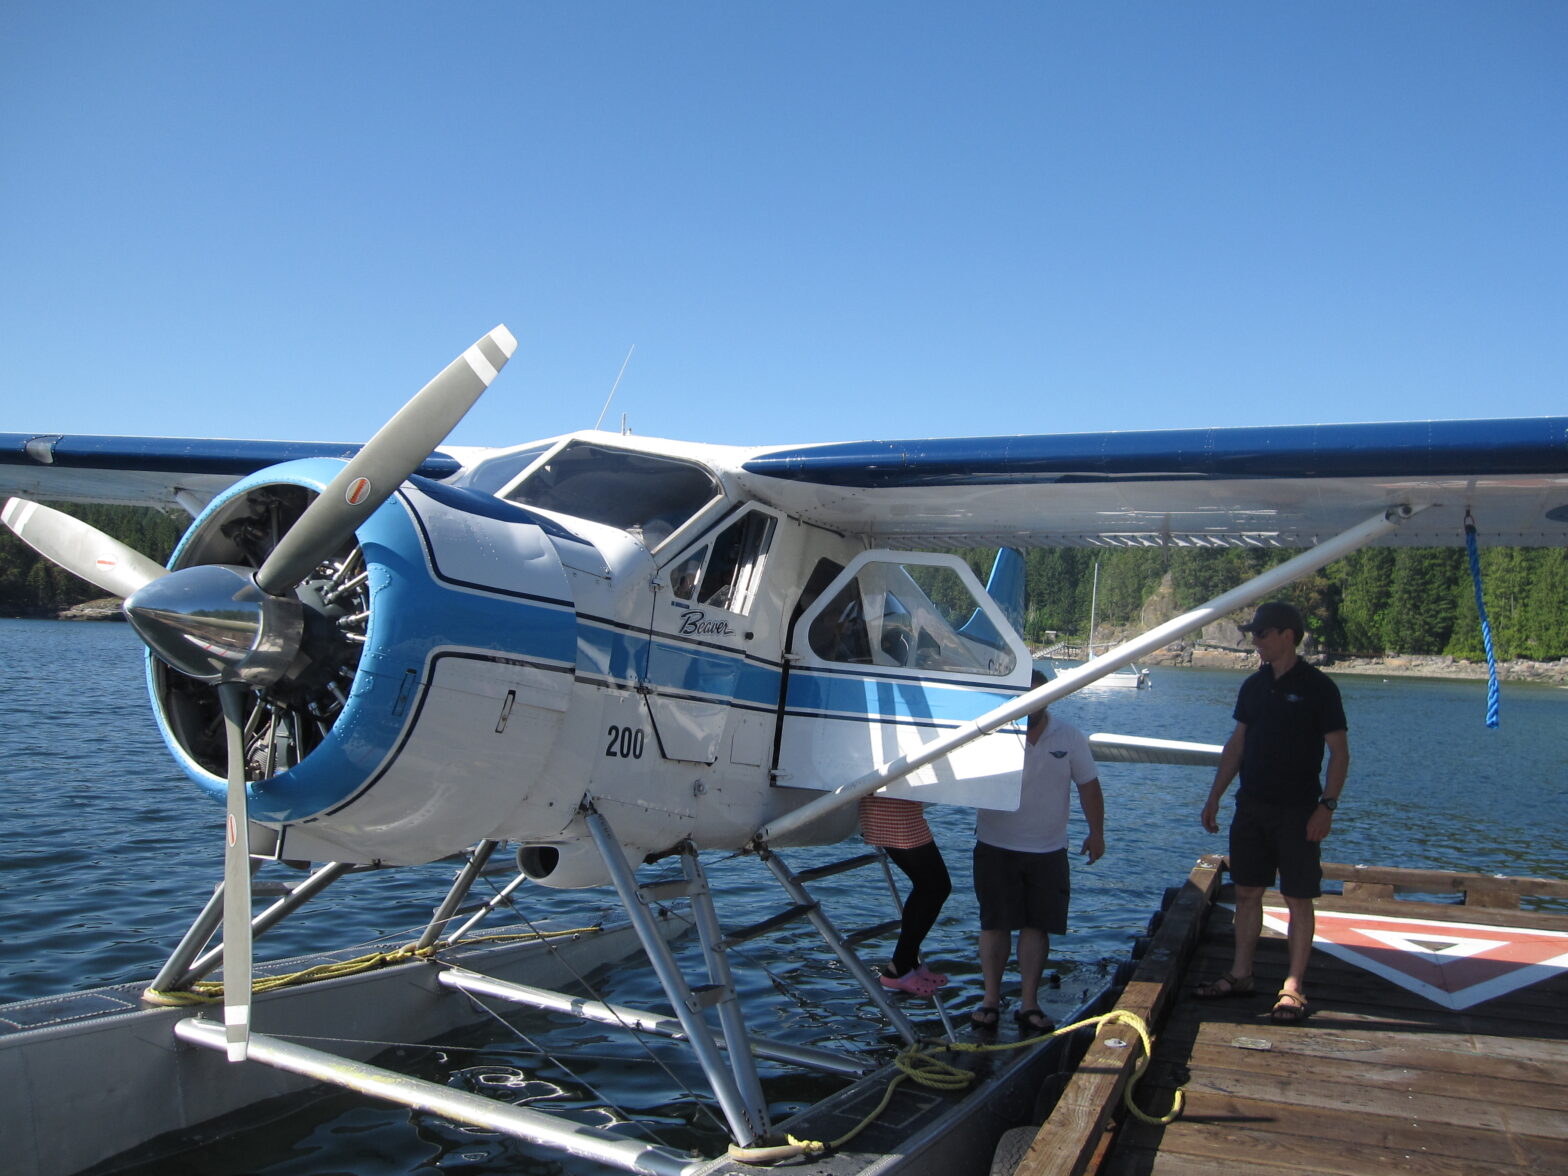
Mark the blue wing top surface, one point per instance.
(151, 471)
(1275, 486)
(1270, 486)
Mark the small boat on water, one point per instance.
(1128, 677)
(1123, 678)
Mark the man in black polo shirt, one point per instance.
(1286, 714)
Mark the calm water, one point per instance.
(107, 853)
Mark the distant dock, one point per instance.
(1437, 1043)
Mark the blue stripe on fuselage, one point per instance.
(881, 698)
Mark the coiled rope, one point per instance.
(920, 1064)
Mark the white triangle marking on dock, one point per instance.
(1456, 965)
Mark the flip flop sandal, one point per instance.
(1033, 1021)
(1233, 986)
(985, 1017)
(1290, 1008)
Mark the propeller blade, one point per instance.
(236, 882)
(386, 461)
(78, 548)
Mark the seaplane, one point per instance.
(610, 654)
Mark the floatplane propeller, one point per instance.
(250, 631)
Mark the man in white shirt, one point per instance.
(1020, 864)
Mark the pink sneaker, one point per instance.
(918, 982)
(935, 977)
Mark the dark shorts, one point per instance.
(1268, 839)
(1019, 889)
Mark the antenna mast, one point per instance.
(614, 386)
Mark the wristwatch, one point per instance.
(1329, 802)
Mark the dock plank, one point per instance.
(1379, 1079)
(1532, 1076)
(1208, 1111)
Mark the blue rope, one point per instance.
(1486, 626)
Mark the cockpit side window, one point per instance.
(728, 572)
(686, 575)
(648, 495)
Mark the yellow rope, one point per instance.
(211, 991)
(920, 1064)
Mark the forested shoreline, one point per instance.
(1376, 603)
(1379, 602)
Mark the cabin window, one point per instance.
(726, 573)
(912, 616)
(645, 494)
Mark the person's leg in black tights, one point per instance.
(929, 887)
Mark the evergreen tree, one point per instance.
(1423, 598)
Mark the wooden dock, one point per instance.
(1437, 1043)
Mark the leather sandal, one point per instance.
(985, 1017)
(1290, 1008)
(1225, 987)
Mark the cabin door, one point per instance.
(900, 649)
(698, 650)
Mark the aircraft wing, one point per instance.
(151, 471)
(1283, 486)
(1278, 486)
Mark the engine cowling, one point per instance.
(428, 687)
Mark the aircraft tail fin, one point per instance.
(1006, 587)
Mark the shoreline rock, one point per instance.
(1389, 666)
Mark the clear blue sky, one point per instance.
(815, 221)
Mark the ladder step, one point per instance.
(832, 868)
(661, 891)
(778, 920)
(705, 996)
(866, 933)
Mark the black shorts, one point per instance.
(1018, 889)
(1269, 839)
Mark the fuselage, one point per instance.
(679, 661)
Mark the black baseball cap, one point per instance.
(1276, 614)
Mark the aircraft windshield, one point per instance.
(491, 475)
(633, 491)
(918, 616)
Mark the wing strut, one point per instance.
(1255, 589)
